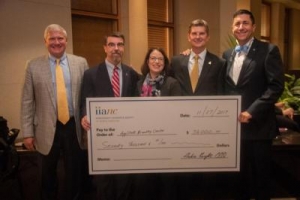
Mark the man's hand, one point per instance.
(245, 117)
(186, 52)
(289, 112)
(29, 143)
(85, 123)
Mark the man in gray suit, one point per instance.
(42, 129)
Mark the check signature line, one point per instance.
(143, 159)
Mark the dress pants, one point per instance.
(114, 186)
(66, 144)
(254, 179)
(146, 187)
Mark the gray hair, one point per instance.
(54, 27)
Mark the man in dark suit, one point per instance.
(207, 81)
(42, 127)
(209, 65)
(99, 82)
(254, 71)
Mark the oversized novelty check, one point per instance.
(163, 134)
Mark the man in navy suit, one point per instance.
(254, 71)
(208, 83)
(209, 65)
(98, 82)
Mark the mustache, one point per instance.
(116, 52)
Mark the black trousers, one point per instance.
(254, 179)
(65, 144)
(114, 186)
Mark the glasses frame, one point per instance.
(114, 45)
(155, 59)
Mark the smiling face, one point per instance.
(114, 49)
(243, 28)
(56, 43)
(198, 37)
(156, 63)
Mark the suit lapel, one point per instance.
(125, 79)
(207, 63)
(47, 75)
(185, 74)
(102, 79)
(248, 60)
(230, 60)
(73, 74)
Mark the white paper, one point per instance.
(163, 134)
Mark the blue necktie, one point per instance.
(243, 48)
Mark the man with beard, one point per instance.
(111, 78)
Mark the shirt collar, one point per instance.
(53, 59)
(112, 66)
(249, 43)
(201, 55)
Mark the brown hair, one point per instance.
(145, 67)
(199, 22)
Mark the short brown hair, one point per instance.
(199, 22)
(245, 12)
(114, 34)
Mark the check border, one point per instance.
(95, 140)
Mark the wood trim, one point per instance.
(161, 24)
(93, 14)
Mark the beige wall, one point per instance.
(194, 9)
(134, 26)
(277, 28)
(22, 28)
(227, 8)
(294, 50)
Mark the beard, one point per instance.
(116, 57)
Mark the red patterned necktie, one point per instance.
(115, 82)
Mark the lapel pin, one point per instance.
(209, 62)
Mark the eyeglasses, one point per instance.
(113, 45)
(154, 59)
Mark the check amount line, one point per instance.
(181, 147)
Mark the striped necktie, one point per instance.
(116, 82)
